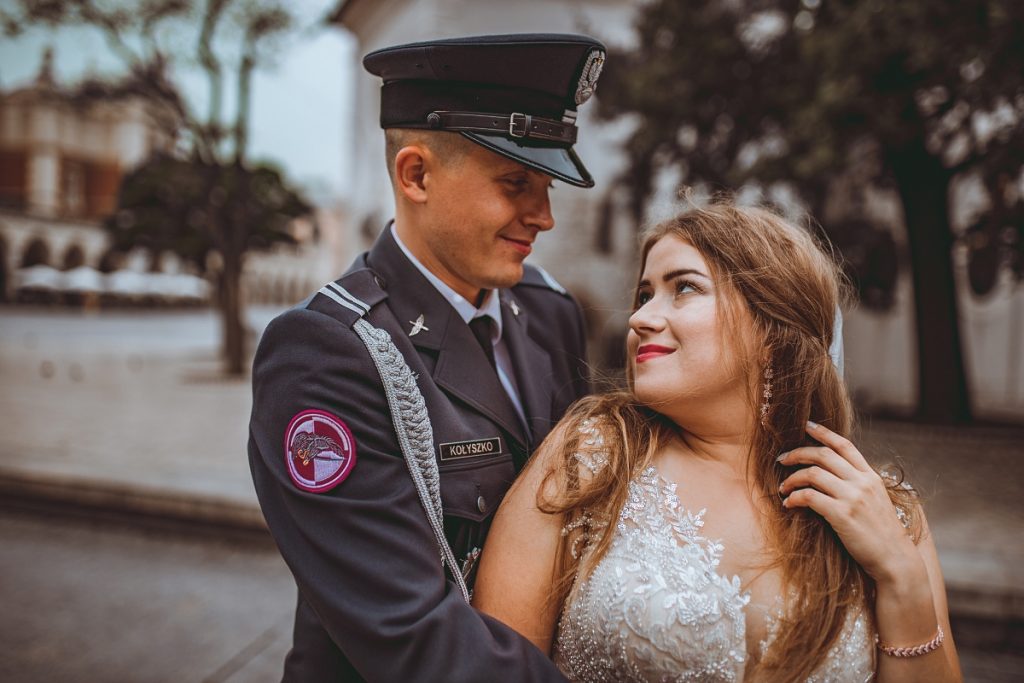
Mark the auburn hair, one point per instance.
(792, 287)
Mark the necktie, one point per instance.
(481, 327)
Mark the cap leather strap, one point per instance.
(516, 125)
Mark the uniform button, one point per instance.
(481, 504)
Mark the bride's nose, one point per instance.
(646, 320)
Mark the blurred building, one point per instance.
(61, 166)
(287, 274)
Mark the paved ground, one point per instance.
(90, 603)
(123, 400)
(126, 414)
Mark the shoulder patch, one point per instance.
(319, 451)
(538, 277)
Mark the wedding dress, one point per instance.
(656, 609)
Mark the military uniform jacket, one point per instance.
(375, 602)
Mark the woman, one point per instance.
(699, 526)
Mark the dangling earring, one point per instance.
(766, 394)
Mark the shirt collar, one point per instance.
(466, 310)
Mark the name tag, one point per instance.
(470, 449)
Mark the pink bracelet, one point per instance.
(917, 650)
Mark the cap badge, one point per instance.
(588, 78)
(418, 326)
(319, 450)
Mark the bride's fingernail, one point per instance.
(781, 456)
(784, 501)
(812, 425)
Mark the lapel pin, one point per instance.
(418, 326)
(515, 307)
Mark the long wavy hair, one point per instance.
(791, 286)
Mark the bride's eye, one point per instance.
(685, 286)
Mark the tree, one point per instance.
(814, 93)
(209, 200)
(197, 209)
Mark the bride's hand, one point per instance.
(839, 485)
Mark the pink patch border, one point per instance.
(341, 474)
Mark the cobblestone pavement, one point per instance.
(123, 399)
(130, 411)
(90, 603)
(103, 603)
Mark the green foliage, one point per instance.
(194, 208)
(781, 90)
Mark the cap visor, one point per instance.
(557, 162)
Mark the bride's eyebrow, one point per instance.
(679, 272)
(672, 275)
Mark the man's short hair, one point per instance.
(450, 148)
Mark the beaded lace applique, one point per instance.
(656, 609)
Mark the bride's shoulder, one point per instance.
(591, 447)
(579, 443)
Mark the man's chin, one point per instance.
(508, 277)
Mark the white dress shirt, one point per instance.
(467, 311)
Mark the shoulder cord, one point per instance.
(415, 435)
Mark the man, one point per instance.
(438, 341)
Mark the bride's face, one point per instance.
(684, 354)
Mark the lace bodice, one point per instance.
(657, 609)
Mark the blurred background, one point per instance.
(174, 173)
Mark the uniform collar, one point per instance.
(466, 310)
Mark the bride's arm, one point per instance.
(517, 566)
(910, 597)
(902, 612)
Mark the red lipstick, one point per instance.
(649, 351)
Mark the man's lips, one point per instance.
(522, 246)
(649, 351)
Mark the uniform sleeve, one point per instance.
(362, 553)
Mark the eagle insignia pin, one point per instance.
(319, 451)
(588, 77)
(418, 326)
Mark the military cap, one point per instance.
(513, 94)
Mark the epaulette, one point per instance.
(535, 276)
(350, 297)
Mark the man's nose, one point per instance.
(538, 213)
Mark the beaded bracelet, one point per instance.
(922, 649)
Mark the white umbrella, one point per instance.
(126, 283)
(158, 285)
(193, 287)
(39, 277)
(83, 279)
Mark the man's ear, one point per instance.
(412, 164)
